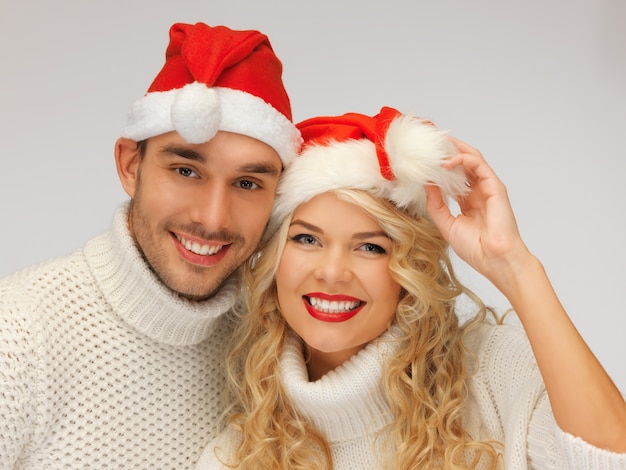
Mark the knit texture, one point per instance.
(103, 367)
(507, 402)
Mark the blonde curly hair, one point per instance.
(425, 383)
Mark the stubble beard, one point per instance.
(156, 258)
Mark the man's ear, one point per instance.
(127, 160)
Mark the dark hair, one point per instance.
(142, 145)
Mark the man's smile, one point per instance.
(203, 249)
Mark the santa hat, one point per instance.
(391, 155)
(215, 78)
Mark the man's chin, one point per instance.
(191, 290)
(194, 283)
(195, 295)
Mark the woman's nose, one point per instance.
(334, 266)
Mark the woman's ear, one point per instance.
(127, 160)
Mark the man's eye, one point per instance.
(247, 184)
(186, 172)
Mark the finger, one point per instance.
(474, 157)
(474, 165)
(464, 147)
(438, 210)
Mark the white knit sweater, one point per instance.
(102, 367)
(507, 402)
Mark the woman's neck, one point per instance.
(319, 363)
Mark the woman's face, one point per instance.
(334, 285)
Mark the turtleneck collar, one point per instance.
(141, 299)
(347, 402)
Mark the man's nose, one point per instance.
(212, 207)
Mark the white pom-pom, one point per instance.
(196, 113)
(416, 151)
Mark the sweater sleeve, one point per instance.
(512, 382)
(549, 447)
(18, 377)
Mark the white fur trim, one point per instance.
(416, 151)
(197, 113)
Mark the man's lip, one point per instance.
(200, 246)
(198, 259)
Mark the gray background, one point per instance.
(537, 86)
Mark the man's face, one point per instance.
(198, 210)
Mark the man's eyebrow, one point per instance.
(252, 167)
(260, 167)
(183, 152)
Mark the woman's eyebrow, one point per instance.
(364, 235)
(306, 225)
(358, 235)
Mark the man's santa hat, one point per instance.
(215, 78)
(390, 155)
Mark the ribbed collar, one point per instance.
(347, 403)
(141, 299)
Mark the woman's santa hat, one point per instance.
(390, 155)
(215, 78)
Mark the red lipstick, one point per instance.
(331, 317)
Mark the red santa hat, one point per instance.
(390, 155)
(215, 78)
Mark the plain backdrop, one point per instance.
(539, 87)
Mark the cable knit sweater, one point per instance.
(102, 367)
(507, 402)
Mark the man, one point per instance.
(110, 357)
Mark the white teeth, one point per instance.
(198, 249)
(333, 306)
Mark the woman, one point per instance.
(352, 355)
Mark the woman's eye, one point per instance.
(373, 248)
(186, 172)
(304, 239)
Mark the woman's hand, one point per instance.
(585, 401)
(484, 234)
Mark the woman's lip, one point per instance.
(333, 297)
(331, 317)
